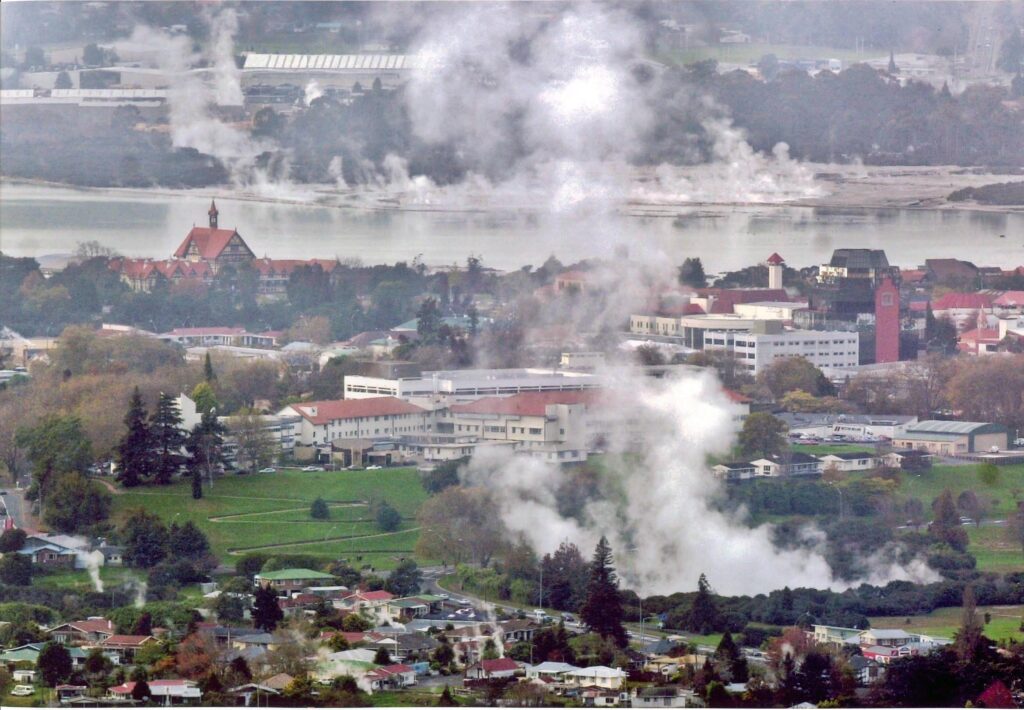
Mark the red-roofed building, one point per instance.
(214, 246)
(547, 425)
(75, 633)
(490, 669)
(723, 300)
(321, 423)
(962, 308)
(173, 691)
(367, 600)
(1009, 302)
(979, 341)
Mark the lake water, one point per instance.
(39, 220)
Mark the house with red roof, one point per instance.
(125, 646)
(961, 308)
(1009, 303)
(490, 669)
(318, 424)
(367, 600)
(93, 630)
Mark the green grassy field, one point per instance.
(824, 449)
(269, 513)
(993, 549)
(78, 580)
(929, 485)
(1004, 624)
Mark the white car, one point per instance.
(268, 469)
(23, 690)
(312, 468)
(374, 468)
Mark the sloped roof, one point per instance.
(210, 242)
(525, 403)
(954, 299)
(775, 259)
(859, 259)
(498, 665)
(331, 410)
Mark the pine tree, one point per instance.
(602, 609)
(969, 639)
(208, 374)
(167, 439)
(265, 611)
(205, 447)
(703, 617)
(133, 452)
(446, 700)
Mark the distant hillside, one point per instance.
(1001, 193)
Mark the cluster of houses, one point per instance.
(877, 647)
(57, 551)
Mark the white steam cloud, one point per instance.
(93, 561)
(659, 515)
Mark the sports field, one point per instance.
(269, 513)
(1004, 622)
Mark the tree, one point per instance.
(460, 524)
(205, 446)
(730, 663)
(762, 435)
(319, 510)
(969, 639)
(428, 321)
(388, 519)
(204, 397)
(93, 56)
(16, 569)
(256, 447)
(134, 452)
(445, 700)
(167, 438)
(141, 691)
(704, 617)
(188, 541)
(208, 373)
(145, 539)
(266, 614)
(565, 577)
(197, 483)
(946, 524)
(34, 57)
(382, 657)
(691, 273)
(443, 475)
(405, 580)
(63, 81)
(602, 608)
(56, 445)
(12, 540)
(795, 373)
(768, 65)
(75, 503)
(989, 474)
(54, 664)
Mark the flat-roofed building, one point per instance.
(455, 386)
(825, 349)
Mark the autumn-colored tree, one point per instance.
(988, 389)
(195, 656)
(460, 525)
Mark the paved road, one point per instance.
(17, 507)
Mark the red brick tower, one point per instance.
(887, 322)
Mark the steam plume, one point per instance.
(93, 562)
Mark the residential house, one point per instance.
(29, 653)
(492, 669)
(392, 677)
(735, 470)
(367, 601)
(516, 630)
(866, 670)
(177, 691)
(665, 697)
(599, 676)
(849, 461)
(552, 669)
(52, 550)
(789, 464)
(260, 693)
(290, 581)
(951, 438)
(122, 647)
(93, 630)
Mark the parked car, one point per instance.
(374, 468)
(569, 618)
(23, 690)
(268, 469)
(312, 468)
(964, 520)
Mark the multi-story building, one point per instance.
(868, 264)
(321, 423)
(440, 388)
(692, 330)
(823, 348)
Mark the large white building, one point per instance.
(825, 349)
(318, 424)
(454, 386)
(691, 330)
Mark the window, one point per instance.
(536, 431)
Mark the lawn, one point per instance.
(1004, 624)
(825, 449)
(929, 485)
(270, 513)
(78, 580)
(991, 546)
